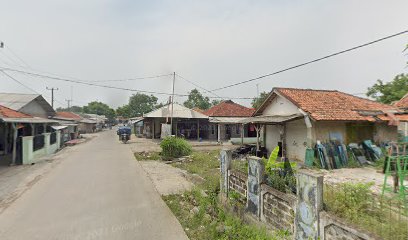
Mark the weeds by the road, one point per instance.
(145, 156)
(199, 210)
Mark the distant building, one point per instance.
(402, 104)
(32, 104)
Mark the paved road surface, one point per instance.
(97, 192)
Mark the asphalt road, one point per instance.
(99, 191)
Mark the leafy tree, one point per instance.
(390, 91)
(139, 104)
(76, 109)
(196, 99)
(257, 102)
(215, 102)
(100, 109)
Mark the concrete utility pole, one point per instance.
(68, 102)
(1, 44)
(172, 104)
(52, 95)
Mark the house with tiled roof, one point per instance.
(225, 117)
(25, 138)
(32, 104)
(297, 118)
(402, 104)
(76, 124)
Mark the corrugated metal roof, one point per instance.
(271, 119)
(178, 112)
(17, 101)
(226, 119)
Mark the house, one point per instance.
(225, 120)
(99, 120)
(76, 124)
(297, 118)
(32, 104)
(25, 138)
(402, 104)
(186, 122)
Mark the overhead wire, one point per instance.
(312, 61)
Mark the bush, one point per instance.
(173, 147)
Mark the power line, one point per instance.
(133, 79)
(195, 84)
(103, 86)
(22, 84)
(313, 61)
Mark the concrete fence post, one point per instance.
(309, 204)
(27, 149)
(225, 166)
(58, 132)
(255, 178)
(47, 141)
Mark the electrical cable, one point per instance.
(312, 61)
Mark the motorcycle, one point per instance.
(124, 138)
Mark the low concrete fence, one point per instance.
(301, 214)
(48, 147)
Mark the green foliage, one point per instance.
(391, 91)
(355, 203)
(100, 109)
(139, 104)
(196, 99)
(215, 102)
(271, 164)
(174, 147)
(257, 102)
(76, 109)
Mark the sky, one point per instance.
(210, 43)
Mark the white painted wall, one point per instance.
(296, 139)
(280, 106)
(272, 137)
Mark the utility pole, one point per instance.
(172, 104)
(52, 95)
(68, 102)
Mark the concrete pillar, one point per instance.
(219, 132)
(27, 149)
(255, 178)
(14, 155)
(225, 166)
(58, 132)
(6, 138)
(242, 134)
(47, 140)
(32, 129)
(309, 204)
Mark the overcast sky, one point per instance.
(213, 43)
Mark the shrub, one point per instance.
(173, 147)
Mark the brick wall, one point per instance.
(278, 208)
(237, 181)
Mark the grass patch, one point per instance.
(199, 210)
(146, 156)
(240, 165)
(355, 203)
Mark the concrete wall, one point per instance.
(272, 137)
(237, 181)
(34, 109)
(30, 156)
(403, 128)
(280, 106)
(385, 133)
(296, 140)
(325, 131)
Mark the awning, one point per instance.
(226, 120)
(28, 120)
(59, 127)
(274, 119)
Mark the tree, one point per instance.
(76, 109)
(257, 102)
(100, 109)
(391, 91)
(196, 99)
(215, 102)
(139, 104)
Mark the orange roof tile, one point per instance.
(6, 112)
(403, 102)
(333, 105)
(229, 109)
(69, 115)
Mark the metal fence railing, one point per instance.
(53, 138)
(38, 142)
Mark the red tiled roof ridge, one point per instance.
(403, 102)
(10, 113)
(228, 108)
(68, 115)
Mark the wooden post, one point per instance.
(13, 161)
(283, 140)
(257, 137)
(198, 129)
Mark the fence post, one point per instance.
(58, 132)
(225, 161)
(27, 143)
(255, 178)
(309, 204)
(47, 138)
